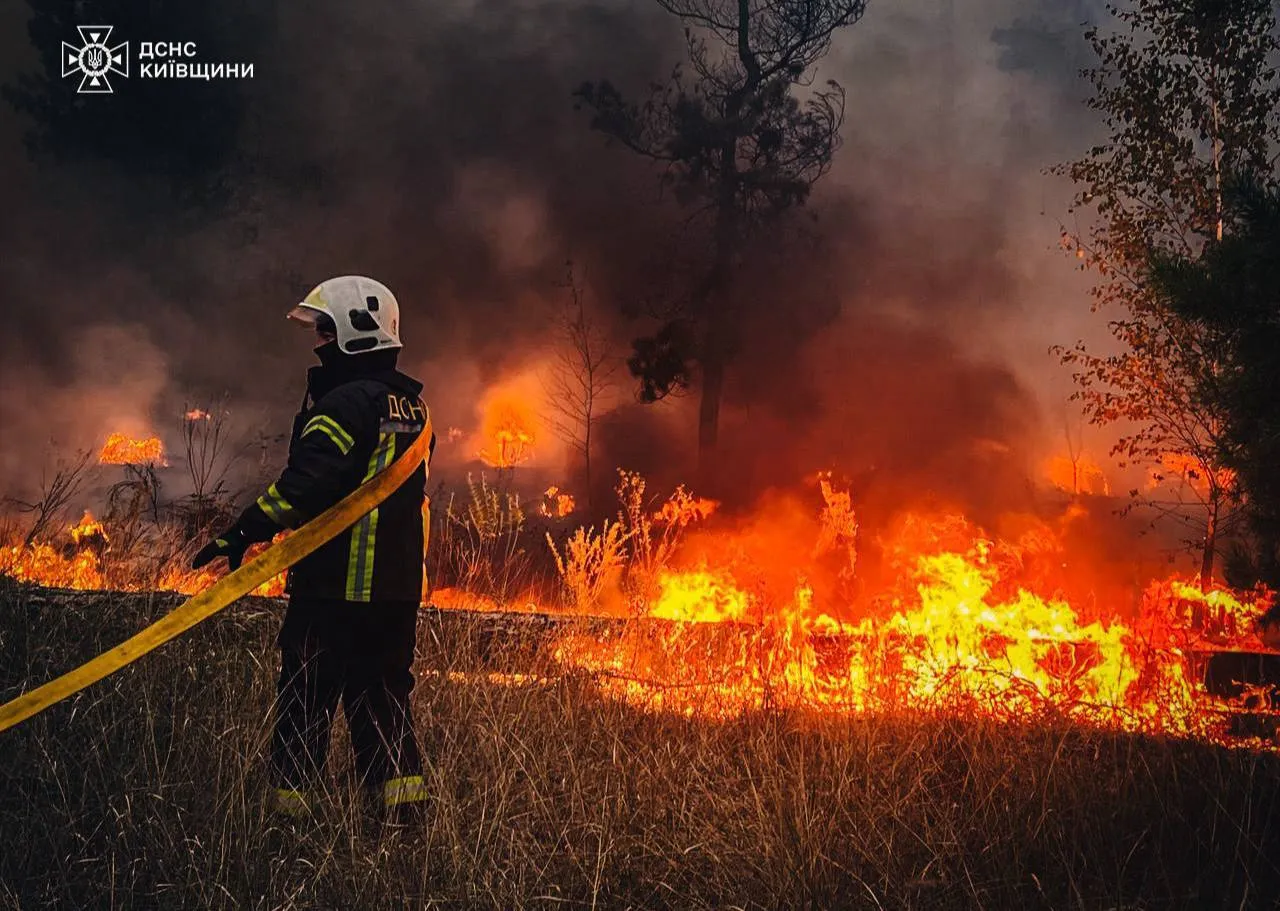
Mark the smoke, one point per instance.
(437, 148)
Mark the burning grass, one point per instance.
(776, 611)
(146, 791)
(82, 557)
(121, 449)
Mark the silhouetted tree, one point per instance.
(739, 147)
(581, 378)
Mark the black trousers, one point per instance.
(361, 655)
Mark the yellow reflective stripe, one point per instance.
(291, 802)
(332, 429)
(364, 534)
(409, 789)
(277, 508)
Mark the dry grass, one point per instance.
(145, 792)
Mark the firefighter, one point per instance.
(349, 630)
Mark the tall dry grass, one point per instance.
(146, 792)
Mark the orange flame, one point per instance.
(508, 431)
(120, 449)
(746, 614)
(87, 529)
(1079, 475)
(88, 565)
(556, 503)
(964, 624)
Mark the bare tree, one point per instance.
(738, 146)
(56, 491)
(1193, 490)
(583, 375)
(207, 455)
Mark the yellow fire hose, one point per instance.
(270, 563)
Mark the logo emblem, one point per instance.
(95, 60)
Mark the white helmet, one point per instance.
(365, 314)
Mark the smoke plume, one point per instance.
(436, 147)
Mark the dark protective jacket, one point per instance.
(359, 414)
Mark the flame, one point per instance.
(510, 425)
(120, 449)
(556, 503)
(700, 596)
(796, 607)
(87, 564)
(87, 529)
(41, 564)
(1079, 475)
(964, 624)
(956, 647)
(508, 434)
(198, 414)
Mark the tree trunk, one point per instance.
(709, 414)
(586, 460)
(717, 306)
(1210, 545)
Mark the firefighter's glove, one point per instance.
(230, 544)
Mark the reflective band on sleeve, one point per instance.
(364, 534)
(409, 789)
(291, 802)
(332, 429)
(277, 508)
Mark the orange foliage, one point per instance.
(1189, 470)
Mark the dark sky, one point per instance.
(436, 147)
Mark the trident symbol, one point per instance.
(95, 60)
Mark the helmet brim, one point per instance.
(305, 315)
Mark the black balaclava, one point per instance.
(337, 367)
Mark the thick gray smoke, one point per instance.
(437, 147)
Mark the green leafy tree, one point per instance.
(740, 148)
(1188, 94)
(1232, 294)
